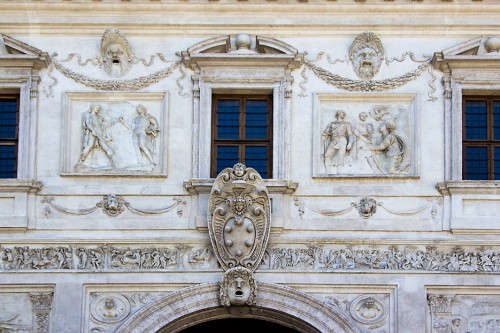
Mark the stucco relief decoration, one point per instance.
(465, 313)
(117, 60)
(369, 138)
(25, 311)
(112, 135)
(110, 308)
(239, 224)
(367, 208)
(366, 56)
(112, 205)
(368, 310)
(116, 53)
(310, 257)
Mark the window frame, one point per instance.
(242, 142)
(489, 143)
(12, 141)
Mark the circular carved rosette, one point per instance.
(239, 217)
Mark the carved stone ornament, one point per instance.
(239, 218)
(110, 308)
(238, 287)
(367, 207)
(366, 54)
(368, 310)
(116, 53)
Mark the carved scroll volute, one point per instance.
(239, 217)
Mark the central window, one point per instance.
(242, 132)
(481, 138)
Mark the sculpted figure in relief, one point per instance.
(94, 135)
(366, 54)
(144, 132)
(337, 140)
(238, 287)
(363, 132)
(116, 53)
(388, 152)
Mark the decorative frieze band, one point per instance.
(311, 258)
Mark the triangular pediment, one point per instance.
(14, 53)
(9, 45)
(483, 50)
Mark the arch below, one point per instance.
(200, 303)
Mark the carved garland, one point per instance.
(366, 85)
(134, 84)
(112, 205)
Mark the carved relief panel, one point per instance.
(369, 135)
(461, 312)
(25, 310)
(115, 134)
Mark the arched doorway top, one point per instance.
(199, 303)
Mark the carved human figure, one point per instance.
(455, 325)
(238, 287)
(94, 135)
(109, 310)
(116, 53)
(144, 132)
(337, 140)
(366, 54)
(369, 309)
(388, 152)
(363, 132)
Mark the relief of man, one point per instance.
(94, 134)
(337, 140)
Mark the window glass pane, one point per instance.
(227, 157)
(476, 120)
(476, 163)
(256, 157)
(496, 163)
(8, 119)
(256, 119)
(228, 119)
(8, 161)
(496, 120)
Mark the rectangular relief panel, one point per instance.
(365, 135)
(115, 134)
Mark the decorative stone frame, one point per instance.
(220, 67)
(358, 103)
(20, 65)
(467, 69)
(71, 141)
(280, 304)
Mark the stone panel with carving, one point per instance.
(364, 135)
(464, 313)
(115, 134)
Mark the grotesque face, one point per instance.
(238, 291)
(117, 62)
(367, 207)
(366, 63)
(239, 205)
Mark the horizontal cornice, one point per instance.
(462, 18)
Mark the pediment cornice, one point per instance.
(16, 53)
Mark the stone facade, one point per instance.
(113, 223)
